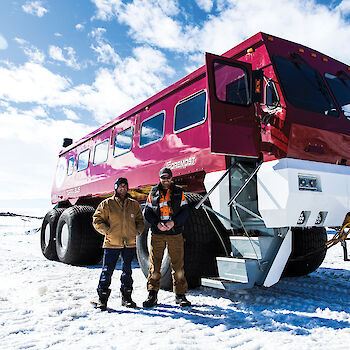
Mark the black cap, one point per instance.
(165, 171)
(121, 180)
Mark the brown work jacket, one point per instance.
(119, 223)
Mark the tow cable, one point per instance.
(341, 237)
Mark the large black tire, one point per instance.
(201, 247)
(48, 233)
(308, 251)
(77, 242)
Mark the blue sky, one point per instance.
(67, 66)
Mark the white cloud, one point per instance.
(31, 82)
(3, 43)
(80, 27)
(205, 5)
(306, 21)
(31, 145)
(132, 81)
(33, 53)
(58, 35)
(156, 26)
(57, 54)
(105, 52)
(113, 91)
(34, 8)
(106, 9)
(70, 114)
(344, 7)
(169, 7)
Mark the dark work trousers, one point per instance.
(110, 258)
(175, 244)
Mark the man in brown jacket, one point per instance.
(119, 219)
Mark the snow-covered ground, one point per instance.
(45, 304)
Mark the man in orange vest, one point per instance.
(166, 210)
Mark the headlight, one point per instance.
(309, 183)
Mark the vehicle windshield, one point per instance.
(304, 87)
(341, 89)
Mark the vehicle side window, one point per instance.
(123, 142)
(190, 112)
(70, 167)
(340, 86)
(231, 83)
(271, 95)
(101, 152)
(83, 160)
(152, 129)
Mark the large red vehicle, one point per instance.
(259, 138)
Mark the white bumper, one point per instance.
(281, 201)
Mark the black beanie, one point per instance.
(121, 180)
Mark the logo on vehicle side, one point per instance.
(73, 190)
(181, 163)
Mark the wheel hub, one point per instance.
(47, 235)
(64, 237)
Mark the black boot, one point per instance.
(151, 299)
(181, 300)
(126, 298)
(103, 298)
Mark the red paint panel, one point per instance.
(318, 145)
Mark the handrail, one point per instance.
(216, 185)
(217, 232)
(248, 211)
(220, 215)
(233, 198)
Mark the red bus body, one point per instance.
(293, 132)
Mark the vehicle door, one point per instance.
(234, 127)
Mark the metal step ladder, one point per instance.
(253, 259)
(248, 264)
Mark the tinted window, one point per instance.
(101, 152)
(83, 160)
(341, 90)
(190, 112)
(70, 166)
(271, 95)
(152, 129)
(304, 87)
(231, 84)
(123, 142)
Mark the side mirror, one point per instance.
(257, 86)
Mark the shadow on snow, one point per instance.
(295, 305)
